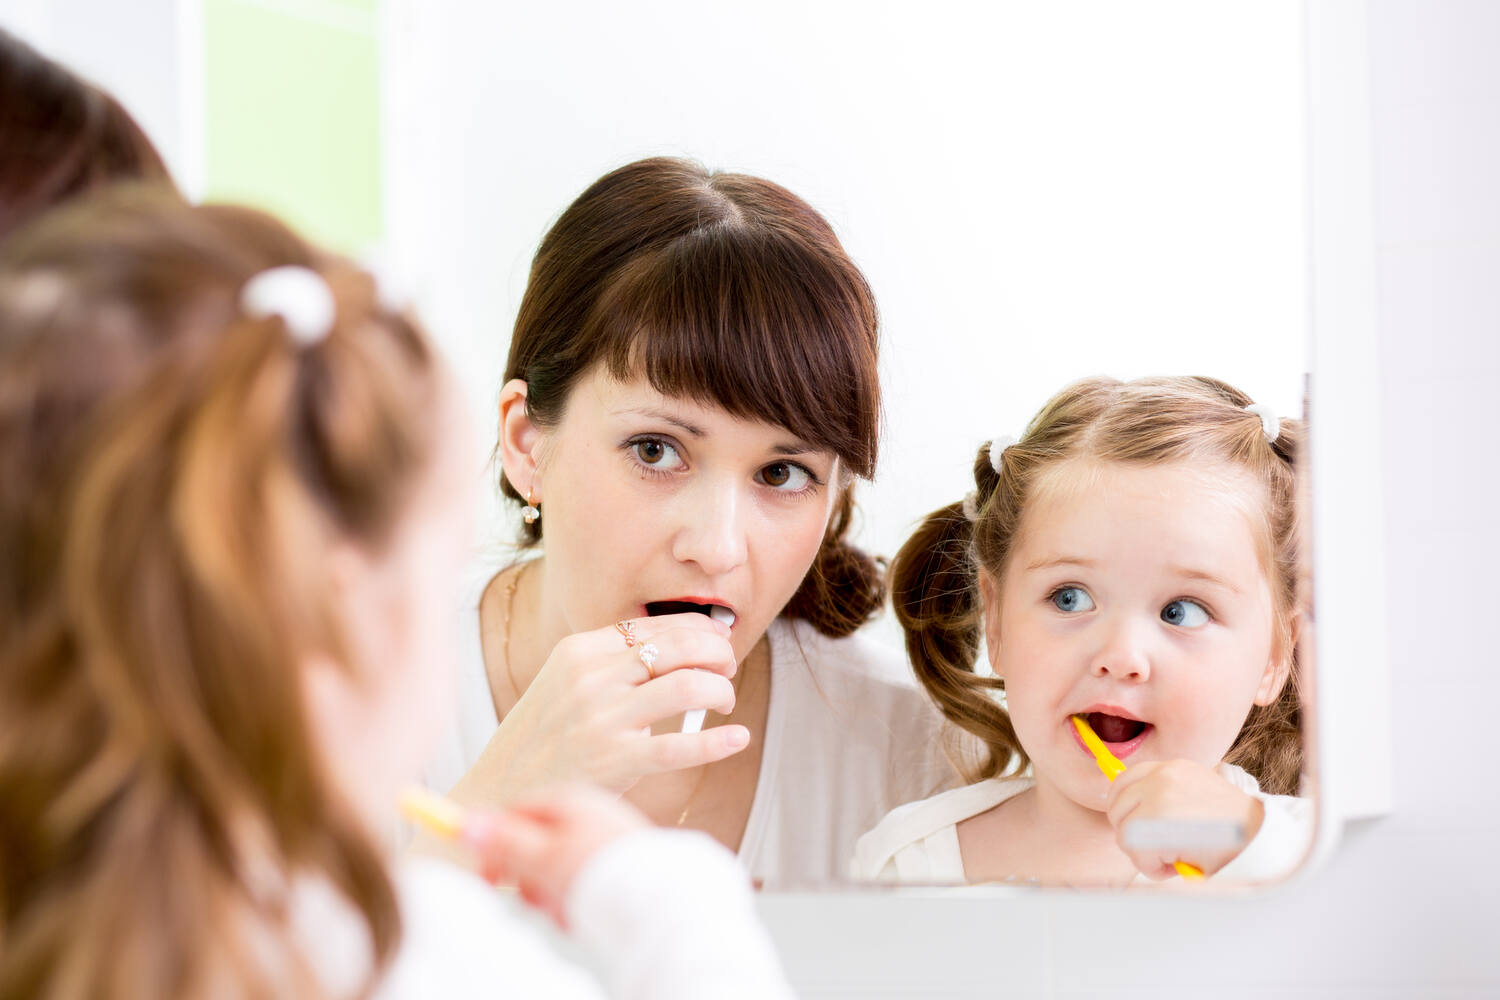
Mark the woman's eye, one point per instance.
(1072, 599)
(785, 476)
(1188, 614)
(657, 453)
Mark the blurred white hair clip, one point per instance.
(1270, 423)
(971, 505)
(299, 295)
(997, 450)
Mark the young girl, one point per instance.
(1133, 560)
(232, 493)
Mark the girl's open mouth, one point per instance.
(1121, 734)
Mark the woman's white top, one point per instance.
(848, 737)
(659, 914)
(918, 842)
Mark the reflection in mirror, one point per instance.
(1041, 195)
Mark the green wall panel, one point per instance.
(292, 114)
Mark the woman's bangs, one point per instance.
(756, 325)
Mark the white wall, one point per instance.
(1037, 192)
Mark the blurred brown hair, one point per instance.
(61, 136)
(728, 290)
(172, 473)
(1145, 422)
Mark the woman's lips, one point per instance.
(1122, 750)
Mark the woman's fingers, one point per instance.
(675, 751)
(674, 693)
(681, 641)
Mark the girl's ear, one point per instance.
(1279, 667)
(989, 595)
(520, 441)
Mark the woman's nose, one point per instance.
(712, 532)
(1125, 654)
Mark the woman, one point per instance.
(61, 137)
(691, 390)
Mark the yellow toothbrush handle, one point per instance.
(441, 815)
(1113, 767)
(1108, 762)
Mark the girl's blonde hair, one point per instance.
(172, 473)
(1145, 422)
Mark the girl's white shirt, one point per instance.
(848, 737)
(658, 913)
(918, 842)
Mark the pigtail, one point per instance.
(1269, 744)
(935, 594)
(845, 587)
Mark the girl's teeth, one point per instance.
(721, 614)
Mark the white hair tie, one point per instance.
(997, 450)
(299, 295)
(1270, 423)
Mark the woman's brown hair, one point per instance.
(725, 289)
(61, 136)
(934, 577)
(172, 474)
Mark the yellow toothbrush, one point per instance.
(1113, 767)
(442, 816)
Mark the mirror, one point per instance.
(1036, 194)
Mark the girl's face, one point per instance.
(1136, 596)
(649, 499)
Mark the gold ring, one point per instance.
(626, 627)
(648, 654)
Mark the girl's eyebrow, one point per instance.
(1189, 573)
(1048, 563)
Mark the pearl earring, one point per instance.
(531, 511)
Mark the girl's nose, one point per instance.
(712, 532)
(1125, 655)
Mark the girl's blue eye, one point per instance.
(1072, 600)
(1187, 614)
(785, 476)
(656, 453)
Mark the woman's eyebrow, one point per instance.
(665, 417)
(797, 448)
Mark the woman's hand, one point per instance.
(541, 843)
(587, 715)
(1186, 791)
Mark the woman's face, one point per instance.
(647, 498)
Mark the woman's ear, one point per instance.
(1279, 668)
(520, 441)
(989, 596)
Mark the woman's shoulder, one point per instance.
(918, 840)
(858, 659)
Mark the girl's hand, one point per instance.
(541, 843)
(587, 716)
(1180, 790)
